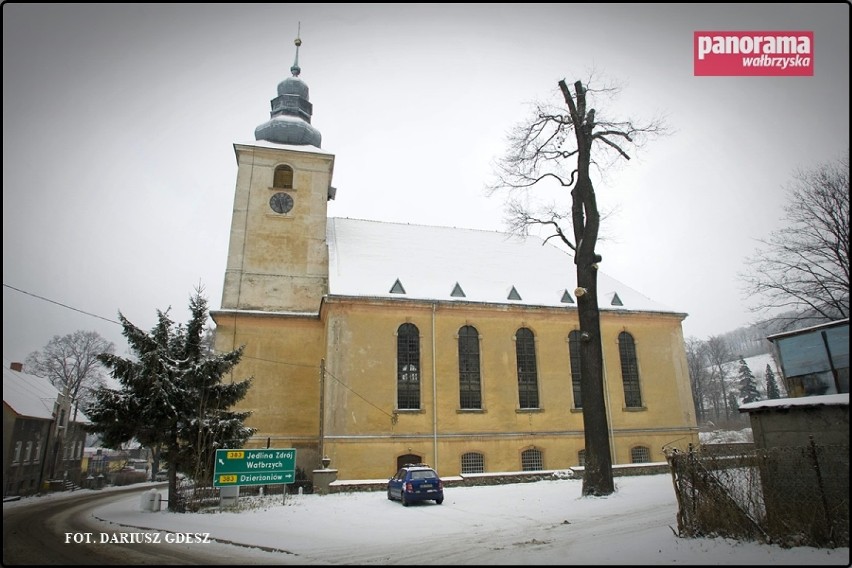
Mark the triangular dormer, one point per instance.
(458, 292)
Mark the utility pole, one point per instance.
(322, 410)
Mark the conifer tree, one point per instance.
(733, 404)
(172, 397)
(748, 384)
(772, 391)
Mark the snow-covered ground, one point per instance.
(726, 436)
(546, 522)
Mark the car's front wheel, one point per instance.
(390, 497)
(439, 501)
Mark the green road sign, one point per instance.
(254, 467)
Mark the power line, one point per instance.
(60, 304)
(356, 393)
(119, 323)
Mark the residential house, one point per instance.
(41, 442)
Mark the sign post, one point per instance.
(254, 467)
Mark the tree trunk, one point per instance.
(174, 463)
(585, 218)
(597, 479)
(155, 461)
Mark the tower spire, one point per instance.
(290, 119)
(295, 69)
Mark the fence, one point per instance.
(792, 496)
(193, 497)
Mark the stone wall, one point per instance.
(502, 478)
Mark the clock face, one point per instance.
(281, 202)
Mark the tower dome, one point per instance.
(293, 86)
(290, 118)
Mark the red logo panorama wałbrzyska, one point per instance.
(754, 53)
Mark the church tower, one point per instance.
(278, 256)
(277, 273)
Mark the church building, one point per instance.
(377, 344)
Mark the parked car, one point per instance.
(416, 482)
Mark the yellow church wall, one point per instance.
(360, 383)
(663, 376)
(377, 458)
(284, 263)
(282, 354)
(366, 438)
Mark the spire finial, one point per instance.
(295, 69)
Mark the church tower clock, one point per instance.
(278, 256)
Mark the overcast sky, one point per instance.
(119, 123)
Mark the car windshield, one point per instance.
(423, 475)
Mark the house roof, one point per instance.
(32, 396)
(28, 395)
(821, 326)
(397, 260)
(800, 401)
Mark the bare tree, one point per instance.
(699, 376)
(718, 354)
(804, 268)
(560, 144)
(70, 363)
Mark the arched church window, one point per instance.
(408, 367)
(629, 370)
(470, 385)
(574, 355)
(283, 178)
(527, 368)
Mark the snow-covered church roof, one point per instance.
(396, 260)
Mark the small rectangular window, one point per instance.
(531, 460)
(640, 454)
(472, 462)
